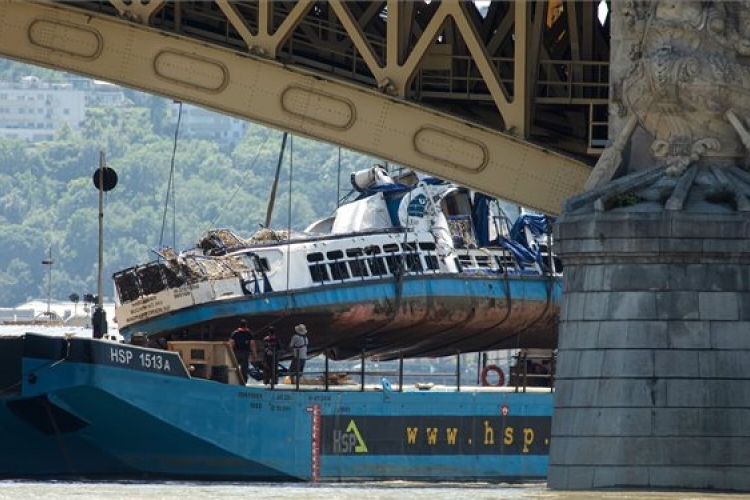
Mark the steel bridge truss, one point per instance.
(509, 97)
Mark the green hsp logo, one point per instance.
(348, 441)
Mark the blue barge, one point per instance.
(86, 408)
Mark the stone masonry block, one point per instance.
(596, 305)
(665, 451)
(718, 306)
(572, 306)
(566, 247)
(705, 450)
(628, 363)
(632, 245)
(731, 246)
(573, 278)
(610, 450)
(569, 477)
(565, 306)
(717, 226)
(700, 478)
(708, 393)
(689, 422)
(567, 363)
(730, 334)
(686, 277)
(689, 334)
(676, 363)
(590, 364)
(575, 228)
(726, 278)
(603, 393)
(648, 227)
(628, 226)
(687, 228)
(578, 334)
(724, 364)
(632, 334)
(743, 299)
(677, 305)
(632, 476)
(596, 278)
(602, 422)
(675, 246)
(635, 277)
(632, 306)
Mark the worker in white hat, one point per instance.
(298, 346)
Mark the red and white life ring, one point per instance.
(500, 376)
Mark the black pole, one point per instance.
(401, 371)
(272, 198)
(99, 323)
(326, 374)
(274, 364)
(362, 370)
(458, 371)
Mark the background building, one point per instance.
(34, 110)
(199, 123)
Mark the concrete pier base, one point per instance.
(653, 386)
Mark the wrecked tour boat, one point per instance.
(413, 266)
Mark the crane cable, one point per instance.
(170, 187)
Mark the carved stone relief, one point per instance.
(687, 84)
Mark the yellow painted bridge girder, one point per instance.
(290, 98)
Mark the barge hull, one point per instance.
(86, 408)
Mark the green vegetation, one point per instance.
(48, 199)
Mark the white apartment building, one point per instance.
(106, 94)
(34, 110)
(199, 123)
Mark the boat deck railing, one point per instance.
(524, 370)
(310, 385)
(527, 373)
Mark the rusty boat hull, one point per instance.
(438, 314)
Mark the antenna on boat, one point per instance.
(105, 179)
(272, 198)
(338, 182)
(48, 262)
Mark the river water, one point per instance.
(59, 490)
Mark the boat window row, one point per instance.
(372, 261)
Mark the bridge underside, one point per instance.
(499, 102)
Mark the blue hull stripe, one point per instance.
(437, 288)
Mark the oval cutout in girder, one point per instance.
(451, 149)
(318, 107)
(190, 70)
(66, 38)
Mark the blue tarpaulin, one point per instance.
(537, 224)
(519, 244)
(522, 254)
(481, 218)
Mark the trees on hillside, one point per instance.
(51, 200)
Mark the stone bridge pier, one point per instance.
(653, 386)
